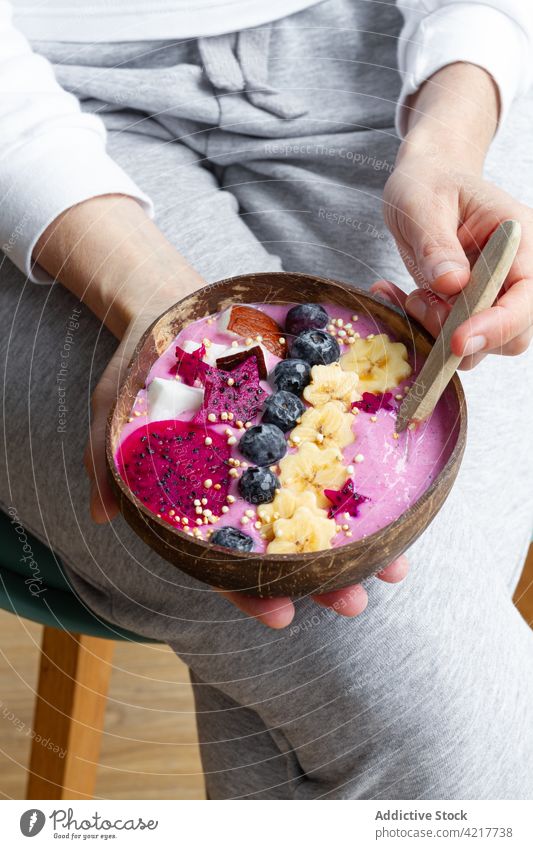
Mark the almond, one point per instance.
(242, 320)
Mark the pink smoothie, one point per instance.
(392, 473)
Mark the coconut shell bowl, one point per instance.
(262, 574)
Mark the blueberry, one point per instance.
(263, 444)
(291, 375)
(283, 409)
(258, 485)
(306, 317)
(316, 347)
(232, 538)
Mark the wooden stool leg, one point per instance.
(69, 715)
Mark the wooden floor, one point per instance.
(150, 748)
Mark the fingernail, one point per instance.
(382, 294)
(474, 345)
(445, 267)
(416, 307)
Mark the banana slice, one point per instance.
(305, 531)
(313, 468)
(286, 503)
(331, 383)
(329, 426)
(380, 363)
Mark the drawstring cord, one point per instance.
(238, 62)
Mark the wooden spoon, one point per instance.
(486, 280)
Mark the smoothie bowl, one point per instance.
(253, 441)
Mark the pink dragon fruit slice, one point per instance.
(371, 403)
(168, 466)
(191, 367)
(345, 500)
(236, 391)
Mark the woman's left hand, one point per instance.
(108, 253)
(441, 218)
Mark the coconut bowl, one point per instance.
(262, 574)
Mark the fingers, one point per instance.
(395, 571)
(273, 612)
(103, 506)
(442, 259)
(353, 600)
(518, 345)
(423, 305)
(278, 613)
(430, 310)
(439, 235)
(389, 292)
(468, 363)
(350, 601)
(429, 244)
(102, 502)
(506, 325)
(506, 328)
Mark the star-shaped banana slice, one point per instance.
(329, 426)
(312, 468)
(285, 504)
(305, 531)
(379, 363)
(331, 383)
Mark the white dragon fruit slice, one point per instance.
(168, 399)
(213, 352)
(224, 321)
(190, 345)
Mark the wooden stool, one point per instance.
(76, 663)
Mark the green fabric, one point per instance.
(44, 595)
(11, 552)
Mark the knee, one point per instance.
(390, 714)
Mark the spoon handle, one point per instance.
(486, 280)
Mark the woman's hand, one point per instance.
(351, 601)
(441, 219)
(109, 254)
(103, 506)
(441, 212)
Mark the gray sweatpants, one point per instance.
(428, 694)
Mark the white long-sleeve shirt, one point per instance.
(44, 133)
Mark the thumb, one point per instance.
(102, 503)
(439, 255)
